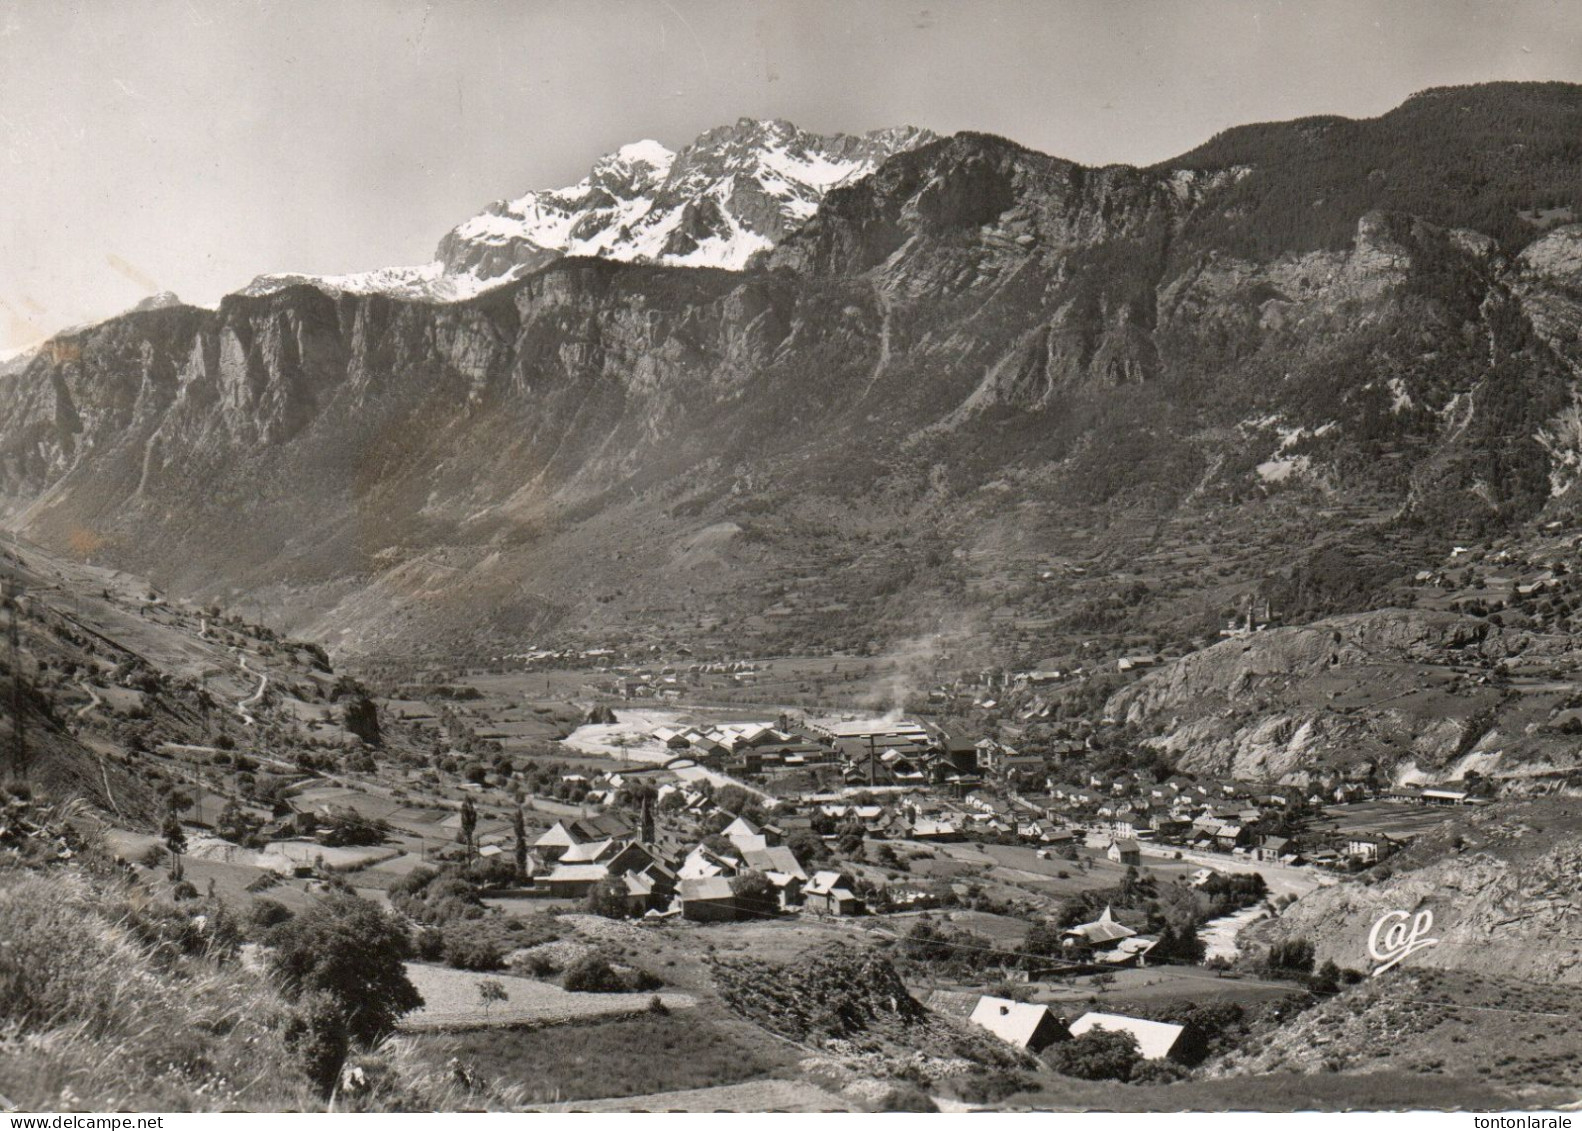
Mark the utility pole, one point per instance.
(873, 770)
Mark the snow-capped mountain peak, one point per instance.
(734, 191)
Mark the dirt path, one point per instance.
(256, 697)
(94, 701)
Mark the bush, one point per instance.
(467, 948)
(317, 1035)
(171, 933)
(267, 913)
(1291, 955)
(351, 950)
(591, 974)
(608, 898)
(907, 1097)
(429, 944)
(993, 1086)
(1157, 1072)
(535, 964)
(1096, 1055)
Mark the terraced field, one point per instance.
(451, 1001)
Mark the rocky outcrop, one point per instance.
(1281, 703)
(1505, 889)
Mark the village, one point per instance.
(592, 832)
(886, 829)
(624, 839)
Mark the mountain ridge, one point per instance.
(732, 192)
(967, 368)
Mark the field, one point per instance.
(1023, 867)
(628, 1057)
(1387, 818)
(450, 1001)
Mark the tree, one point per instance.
(931, 941)
(1326, 979)
(469, 826)
(343, 827)
(609, 898)
(1041, 950)
(235, 824)
(807, 847)
(850, 842)
(1098, 1054)
(176, 842)
(755, 894)
(738, 801)
(519, 832)
(491, 990)
(351, 950)
(1179, 944)
(1291, 955)
(361, 717)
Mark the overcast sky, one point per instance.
(192, 144)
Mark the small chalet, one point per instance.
(830, 893)
(1125, 850)
(708, 900)
(1368, 847)
(1156, 1040)
(1027, 1026)
(1104, 933)
(1273, 849)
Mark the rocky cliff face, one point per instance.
(975, 357)
(1503, 885)
(1342, 691)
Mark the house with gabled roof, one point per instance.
(830, 893)
(1273, 849)
(1125, 850)
(593, 863)
(707, 899)
(703, 861)
(1099, 935)
(1023, 1024)
(1156, 1040)
(781, 867)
